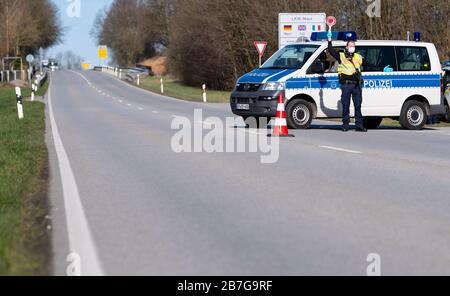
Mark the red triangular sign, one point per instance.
(260, 47)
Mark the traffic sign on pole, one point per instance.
(30, 58)
(261, 48)
(103, 52)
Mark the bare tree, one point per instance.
(27, 25)
(211, 41)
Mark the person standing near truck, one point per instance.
(350, 78)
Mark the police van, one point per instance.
(402, 80)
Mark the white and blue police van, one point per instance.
(402, 80)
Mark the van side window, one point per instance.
(331, 65)
(378, 58)
(413, 58)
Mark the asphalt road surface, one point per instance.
(124, 203)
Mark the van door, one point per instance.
(380, 98)
(325, 87)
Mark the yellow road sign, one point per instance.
(85, 66)
(103, 52)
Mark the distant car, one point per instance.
(134, 70)
(145, 69)
(53, 66)
(45, 63)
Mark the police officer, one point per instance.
(350, 66)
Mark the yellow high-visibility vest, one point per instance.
(346, 67)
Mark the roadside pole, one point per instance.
(32, 92)
(19, 103)
(138, 80)
(162, 85)
(204, 94)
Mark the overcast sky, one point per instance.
(77, 28)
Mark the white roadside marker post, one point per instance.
(19, 103)
(162, 85)
(138, 80)
(205, 100)
(33, 90)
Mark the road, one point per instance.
(129, 205)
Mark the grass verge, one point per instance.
(43, 89)
(178, 90)
(393, 123)
(24, 238)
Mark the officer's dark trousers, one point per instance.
(351, 91)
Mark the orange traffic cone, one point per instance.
(280, 128)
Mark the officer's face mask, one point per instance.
(351, 50)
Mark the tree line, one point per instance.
(27, 25)
(211, 41)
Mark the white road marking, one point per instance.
(141, 109)
(205, 123)
(120, 101)
(341, 149)
(129, 105)
(247, 131)
(256, 133)
(80, 238)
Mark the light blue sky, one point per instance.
(77, 29)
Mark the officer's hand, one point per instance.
(329, 35)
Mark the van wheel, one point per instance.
(372, 122)
(413, 116)
(299, 114)
(446, 116)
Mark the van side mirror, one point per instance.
(318, 67)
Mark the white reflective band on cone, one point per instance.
(280, 107)
(280, 122)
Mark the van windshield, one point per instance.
(291, 57)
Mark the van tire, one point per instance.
(446, 116)
(413, 116)
(372, 122)
(299, 114)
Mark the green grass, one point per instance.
(177, 90)
(24, 239)
(43, 89)
(395, 123)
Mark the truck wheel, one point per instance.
(414, 115)
(299, 114)
(372, 122)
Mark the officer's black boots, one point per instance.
(361, 129)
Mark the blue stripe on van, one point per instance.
(259, 75)
(282, 74)
(370, 81)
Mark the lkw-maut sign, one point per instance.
(293, 27)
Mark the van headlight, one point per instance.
(274, 86)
